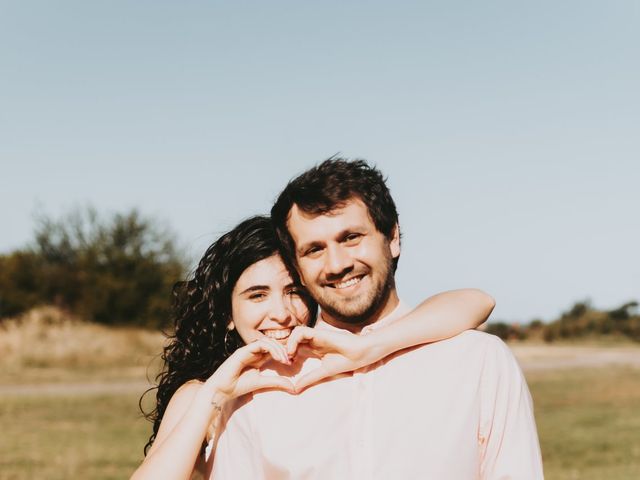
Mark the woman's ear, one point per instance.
(231, 326)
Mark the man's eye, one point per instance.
(352, 237)
(313, 251)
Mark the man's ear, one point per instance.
(300, 277)
(293, 264)
(394, 244)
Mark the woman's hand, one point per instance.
(438, 317)
(240, 373)
(196, 405)
(338, 352)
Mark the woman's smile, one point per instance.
(277, 333)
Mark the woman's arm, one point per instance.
(441, 316)
(196, 405)
(438, 317)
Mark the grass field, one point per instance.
(588, 421)
(81, 437)
(588, 415)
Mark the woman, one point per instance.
(242, 309)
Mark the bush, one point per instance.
(117, 270)
(506, 331)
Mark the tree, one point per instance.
(113, 270)
(19, 282)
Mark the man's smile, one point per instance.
(346, 283)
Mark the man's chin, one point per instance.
(354, 314)
(357, 311)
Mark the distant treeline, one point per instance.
(114, 270)
(581, 321)
(120, 270)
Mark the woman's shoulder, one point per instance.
(177, 407)
(182, 397)
(185, 393)
(189, 388)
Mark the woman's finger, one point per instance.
(298, 336)
(273, 348)
(281, 383)
(253, 352)
(310, 378)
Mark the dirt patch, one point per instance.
(530, 357)
(75, 389)
(552, 357)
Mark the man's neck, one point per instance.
(385, 308)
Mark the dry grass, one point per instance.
(587, 400)
(46, 344)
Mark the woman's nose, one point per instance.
(280, 312)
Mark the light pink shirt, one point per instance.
(456, 409)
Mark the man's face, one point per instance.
(344, 261)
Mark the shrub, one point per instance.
(115, 270)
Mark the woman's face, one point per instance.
(266, 302)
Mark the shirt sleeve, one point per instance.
(236, 454)
(507, 434)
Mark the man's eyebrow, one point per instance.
(348, 231)
(304, 247)
(340, 235)
(255, 288)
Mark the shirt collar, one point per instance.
(400, 310)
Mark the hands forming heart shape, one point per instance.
(338, 352)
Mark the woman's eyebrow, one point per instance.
(254, 288)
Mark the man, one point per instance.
(456, 409)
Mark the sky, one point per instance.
(509, 131)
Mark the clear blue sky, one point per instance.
(510, 131)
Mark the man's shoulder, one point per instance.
(498, 361)
(471, 346)
(470, 338)
(478, 336)
(490, 344)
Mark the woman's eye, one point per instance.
(257, 296)
(352, 237)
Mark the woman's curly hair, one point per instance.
(201, 341)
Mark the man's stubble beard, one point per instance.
(362, 311)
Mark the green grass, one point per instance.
(588, 421)
(83, 437)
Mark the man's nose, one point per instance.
(337, 261)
